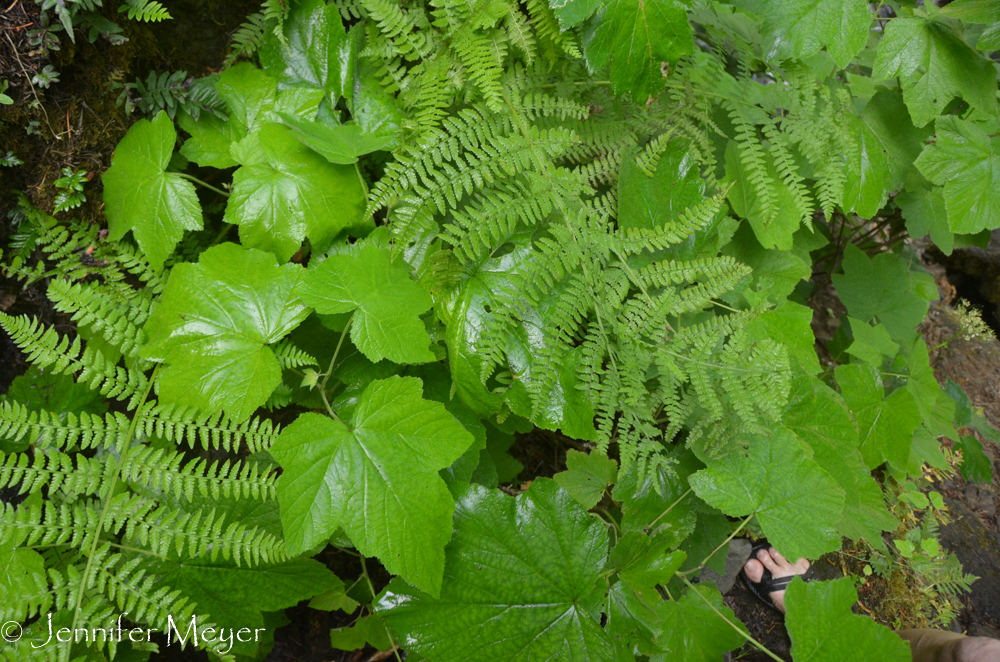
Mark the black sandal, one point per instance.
(762, 590)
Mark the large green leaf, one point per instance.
(565, 406)
(377, 479)
(797, 503)
(935, 65)
(925, 213)
(965, 159)
(978, 11)
(693, 630)
(880, 287)
(659, 503)
(777, 229)
(520, 579)
(211, 138)
(338, 144)
(789, 324)
(871, 344)
(823, 628)
(886, 422)
(290, 193)
(640, 566)
(385, 302)
(936, 409)
(212, 326)
(464, 311)
(586, 476)
(318, 51)
(820, 417)
(651, 202)
(250, 95)
(800, 28)
(637, 36)
(141, 196)
(887, 144)
(235, 598)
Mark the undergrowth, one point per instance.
(459, 220)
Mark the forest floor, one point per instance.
(79, 126)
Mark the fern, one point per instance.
(254, 31)
(290, 356)
(176, 425)
(46, 348)
(148, 11)
(98, 483)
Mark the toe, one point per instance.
(754, 570)
(768, 562)
(778, 558)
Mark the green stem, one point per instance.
(205, 184)
(609, 519)
(336, 352)
(333, 363)
(371, 587)
(726, 541)
(741, 632)
(364, 184)
(649, 527)
(85, 577)
(226, 227)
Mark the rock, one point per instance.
(979, 551)
(739, 552)
(975, 268)
(981, 498)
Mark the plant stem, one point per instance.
(333, 363)
(650, 526)
(85, 577)
(726, 541)
(371, 587)
(336, 352)
(226, 227)
(742, 633)
(198, 181)
(609, 519)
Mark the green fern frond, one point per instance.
(160, 530)
(746, 118)
(175, 424)
(290, 356)
(90, 306)
(149, 11)
(162, 470)
(552, 41)
(248, 38)
(280, 397)
(45, 348)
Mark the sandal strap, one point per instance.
(781, 583)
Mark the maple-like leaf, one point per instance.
(212, 326)
(141, 196)
(377, 479)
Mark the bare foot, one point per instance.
(779, 567)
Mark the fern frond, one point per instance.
(290, 356)
(149, 11)
(162, 470)
(176, 424)
(46, 348)
(746, 118)
(120, 325)
(160, 530)
(248, 38)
